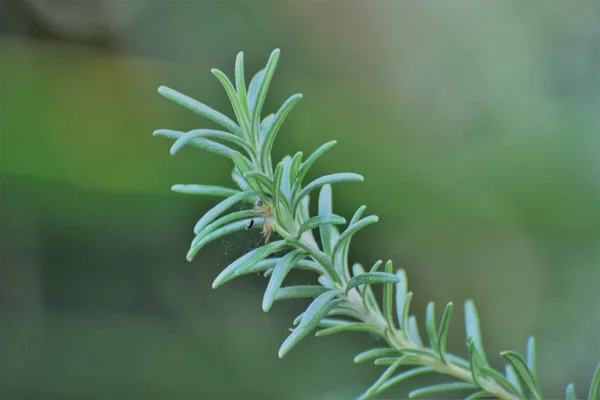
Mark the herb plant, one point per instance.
(344, 300)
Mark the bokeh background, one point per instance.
(475, 124)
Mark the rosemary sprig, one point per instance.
(344, 301)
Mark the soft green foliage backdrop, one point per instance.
(475, 125)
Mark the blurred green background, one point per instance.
(475, 124)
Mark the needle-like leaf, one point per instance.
(199, 108)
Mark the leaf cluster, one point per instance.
(344, 299)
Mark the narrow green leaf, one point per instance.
(221, 207)
(206, 190)
(512, 377)
(305, 264)
(191, 136)
(206, 238)
(304, 208)
(278, 200)
(473, 330)
(299, 292)
(442, 387)
(388, 293)
(242, 163)
(431, 326)
(530, 356)
(474, 361)
(305, 166)
(366, 291)
(247, 261)
(253, 91)
(570, 392)
(200, 108)
(298, 319)
(324, 180)
(358, 214)
(350, 312)
(500, 379)
(315, 312)
(385, 361)
(443, 332)
(401, 290)
(325, 281)
(318, 256)
(376, 266)
(482, 394)
(594, 392)
(264, 180)
(413, 330)
(240, 82)
(382, 379)
(264, 265)
(238, 108)
(265, 126)
(201, 143)
(325, 210)
(375, 353)
(330, 322)
(267, 142)
(370, 278)
(461, 362)
(420, 352)
(404, 376)
(294, 169)
(239, 180)
(406, 311)
(247, 170)
(320, 222)
(523, 371)
(245, 215)
(282, 268)
(351, 326)
(264, 85)
(286, 179)
(352, 229)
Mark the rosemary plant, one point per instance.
(344, 300)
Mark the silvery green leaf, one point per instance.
(350, 326)
(238, 107)
(320, 222)
(523, 372)
(221, 207)
(297, 292)
(305, 166)
(206, 190)
(346, 236)
(263, 87)
(202, 143)
(282, 268)
(218, 233)
(375, 353)
(315, 312)
(199, 108)
(246, 262)
(473, 330)
(324, 180)
(443, 332)
(240, 82)
(370, 278)
(269, 138)
(195, 134)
